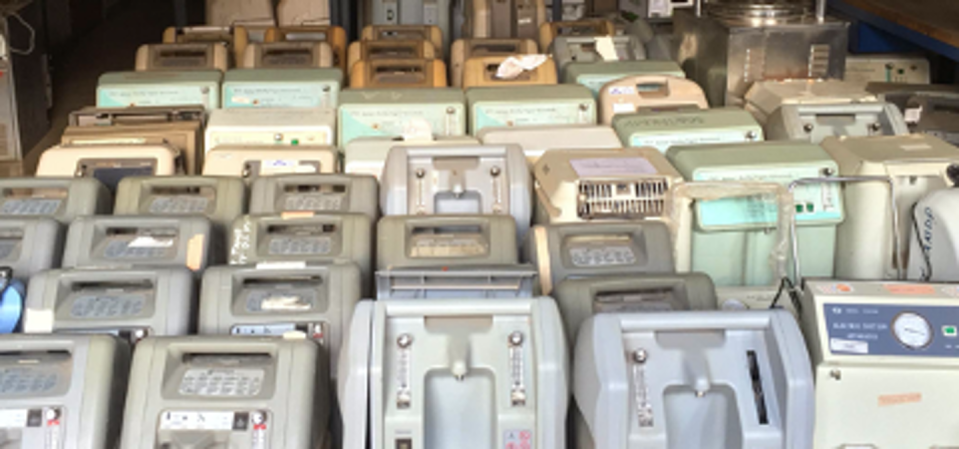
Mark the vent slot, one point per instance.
(646, 198)
(758, 394)
(819, 61)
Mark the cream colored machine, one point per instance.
(648, 93)
(595, 49)
(464, 49)
(367, 155)
(61, 391)
(885, 68)
(136, 241)
(430, 33)
(333, 35)
(870, 245)
(583, 250)
(326, 193)
(709, 380)
(109, 163)
(140, 89)
(458, 180)
(287, 55)
(887, 351)
(62, 199)
(586, 185)
(765, 97)
(271, 301)
(589, 27)
(183, 57)
(535, 140)
(596, 75)
(231, 12)
(416, 241)
(235, 38)
(813, 123)
(398, 74)
(301, 12)
(483, 71)
(254, 393)
(131, 303)
(253, 161)
(425, 373)
(688, 127)
(389, 49)
(282, 128)
(179, 127)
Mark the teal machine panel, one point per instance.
(730, 237)
(663, 130)
(139, 89)
(530, 106)
(594, 75)
(282, 88)
(386, 112)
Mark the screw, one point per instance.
(640, 355)
(51, 414)
(450, 110)
(876, 127)
(807, 127)
(278, 137)
(827, 172)
(836, 374)
(205, 90)
(516, 338)
(751, 135)
(420, 172)
(495, 171)
(258, 417)
(404, 341)
(583, 107)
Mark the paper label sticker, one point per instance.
(910, 289)
(606, 48)
(195, 252)
(518, 439)
(13, 419)
(913, 115)
(622, 90)
(197, 421)
(417, 130)
(514, 66)
(623, 108)
(612, 166)
(270, 167)
(275, 95)
(151, 242)
(899, 399)
(848, 346)
(279, 265)
(834, 289)
(38, 321)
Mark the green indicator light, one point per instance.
(810, 207)
(950, 331)
(799, 208)
(295, 142)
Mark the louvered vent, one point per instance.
(633, 199)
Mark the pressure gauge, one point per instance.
(912, 330)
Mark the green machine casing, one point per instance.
(282, 88)
(138, 89)
(386, 112)
(594, 75)
(663, 130)
(732, 238)
(530, 106)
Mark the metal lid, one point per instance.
(758, 12)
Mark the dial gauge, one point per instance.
(912, 330)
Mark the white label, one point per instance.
(663, 142)
(150, 242)
(13, 419)
(835, 289)
(913, 115)
(284, 166)
(222, 382)
(622, 90)
(612, 166)
(291, 265)
(417, 130)
(196, 421)
(430, 14)
(514, 66)
(278, 329)
(518, 439)
(848, 346)
(602, 256)
(606, 48)
(623, 108)
(916, 147)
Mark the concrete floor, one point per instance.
(111, 46)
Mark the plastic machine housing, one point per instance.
(586, 49)
(388, 112)
(581, 298)
(649, 93)
(464, 49)
(219, 199)
(458, 180)
(251, 162)
(588, 185)
(128, 303)
(246, 300)
(417, 241)
(595, 76)
(887, 351)
(367, 155)
(535, 140)
(30, 245)
(937, 116)
(917, 165)
(518, 19)
(272, 126)
(435, 13)
(62, 199)
(333, 35)
(110, 163)
(709, 380)
(331, 193)
(181, 394)
(813, 123)
(765, 97)
(138, 241)
(587, 27)
(183, 57)
(663, 130)
(933, 249)
(421, 372)
(463, 282)
(388, 49)
(268, 88)
(74, 390)
(483, 71)
(287, 55)
(399, 74)
(730, 238)
(139, 89)
(430, 33)
(529, 106)
(598, 249)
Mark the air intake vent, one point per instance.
(634, 199)
(818, 61)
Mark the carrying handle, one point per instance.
(794, 239)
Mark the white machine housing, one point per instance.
(458, 180)
(764, 97)
(251, 162)
(67, 388)
(815, 122)
(887, 68)
(888, 352)
(131, 304)
(535, 140)
(934, 244)
(703, 379)
(367, 155)
(456, 241)
(467, 282)
(455, 373)
(110, 163)
(917, 164)
(281, 127)
(599, 184)
(233, 392)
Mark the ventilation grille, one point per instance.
(634, 199)
(818, 61)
